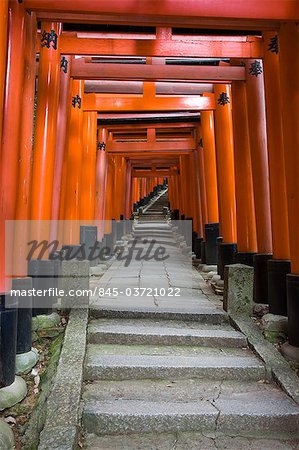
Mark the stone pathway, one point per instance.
(170, 372)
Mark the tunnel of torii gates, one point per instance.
(195, 94)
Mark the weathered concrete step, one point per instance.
(153, 333)
(232, 415)
(251, 407)
(123, 365)
(152, 232)
(133, 416)
(208, 315)
(188, 440)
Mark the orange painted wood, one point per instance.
(135, 190)
(278, 194)
(119, 187)
(177, 192)
(225, 166)
(74, 167)
(127, 127)
(171, 193)
(151, 173)
(147, 72)
(3, 54)
(143, 187)
(101, 176)
(12, 110)
(100, 102)
(88, 171)
(209, 158)
(11, 125)
(151, 47)
(259, 158)
(197, 214)
(202, 182)
(246, 228)
(128, 189)
(131, 147)
(184, 186)
(109, 211)
(26, 129)
(45, 128)
(63, 117)
(25, 147)
(254, 9)
(289, 78)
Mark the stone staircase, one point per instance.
(172, 373)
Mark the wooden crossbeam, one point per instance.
(160, 72)
(153, 173)
(253, 48)
(233, 9)
(181, 146)
(125, 103)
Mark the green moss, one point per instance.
(37, 419)
(275, 337)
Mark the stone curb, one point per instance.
(276, 365)
(63, 406)
(7, 441)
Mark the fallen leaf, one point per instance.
(36, 380)
(10, 419)
(34, 372)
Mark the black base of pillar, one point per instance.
(197, 247)
(88, 239)
(211, 235)
(219, 241)
(42, 272)
(24, 333)
(226, 255)
(245, 258)
(8, 338)
(293, 309)
(175, 215)
(277, 285)
(260, 284)
(203, 252)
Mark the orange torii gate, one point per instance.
(281, 73)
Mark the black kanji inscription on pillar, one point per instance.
(76, 101)
(273, 44)
(255, 68)
(49, 38)
(223, 99)
(64, 64)
(101, 146)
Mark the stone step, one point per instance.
(120, 362)
(187, 440)
(202, 315)
(162, 333)
(188, 405)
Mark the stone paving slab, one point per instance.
(135, 416)
(137, 333)
(117, 367)
(167, 350)
(104, 309)
(186, 441)
(192, 389)
(131, 416)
